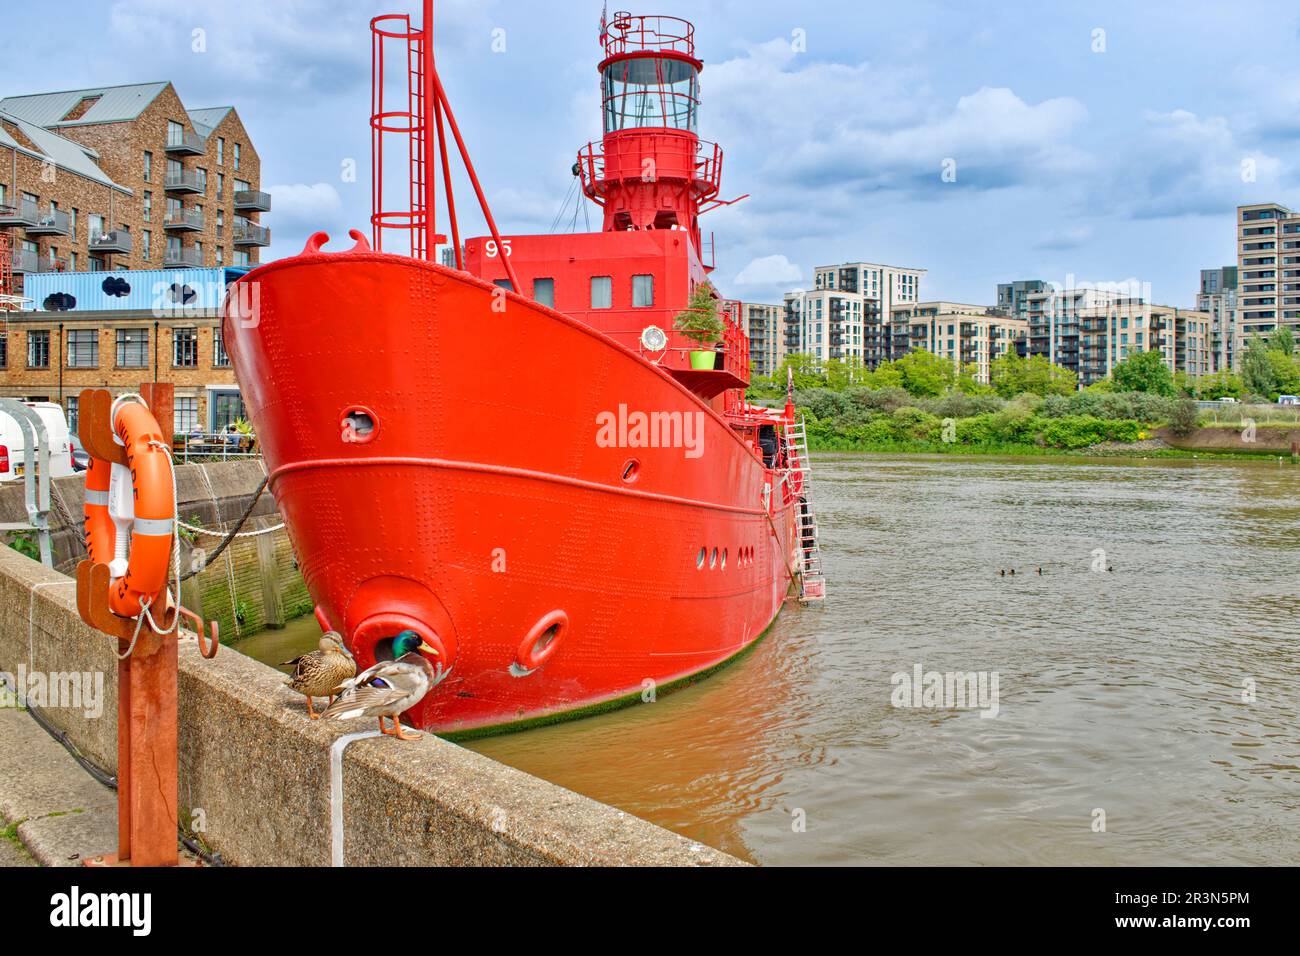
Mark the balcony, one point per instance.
(23, 214)
(24, 260)
(54, 264)
(186, 142)
(182, 257)
(52, 222)
(250, 200)
(186, 181)
(184, 220)
(251, 234)
(119, 240)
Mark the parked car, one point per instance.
(13, 442)
(1288, 399)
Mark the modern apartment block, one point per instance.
(1268, 268)
(969, 335)
(1112, 331)
(765, 325)
(127, 178)
(1013, 297)
(887, 286)
(1054, 315)
(119, 331)
(834, 325)
(1218, 298)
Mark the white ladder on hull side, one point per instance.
(812, 581)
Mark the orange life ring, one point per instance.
(135, 503)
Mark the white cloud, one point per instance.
(768, 271)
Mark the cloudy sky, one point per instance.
(1103, 140)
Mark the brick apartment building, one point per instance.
(127, 178)
(125, 183)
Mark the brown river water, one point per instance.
(1159, 700)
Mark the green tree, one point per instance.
(1012, 375)
(1257, 369)
(1144, 372)
(806, 372)
(1218, 385)
(1282, 340)
(926, 374)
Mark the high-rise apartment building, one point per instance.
(834, 325)
(1268, 268)
(765, 326)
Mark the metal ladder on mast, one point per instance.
(812, 580)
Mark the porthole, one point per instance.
(713, 559)
(724, 559)
(631, 470)
(699, 559)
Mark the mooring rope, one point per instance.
(230, 536)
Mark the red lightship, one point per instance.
(518, 457)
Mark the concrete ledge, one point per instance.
(258, 769)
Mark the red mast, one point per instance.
(651, 170)
(425, 142)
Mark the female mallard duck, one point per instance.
(390, 688)
(322, 672)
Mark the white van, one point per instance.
(12, 442)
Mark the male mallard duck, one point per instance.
(322, 672)
(390, 688)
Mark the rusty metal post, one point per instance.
(146, 717)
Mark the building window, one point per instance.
(185, 348)
(221, 222)
(544, 292)
(146, 244)
(185, 414)
(221, 256)
(132, 348)
(241, 258)
(236, 156)
(38, 349)
(4, 350)
(221, 185)
(72, 221)
(148, 206)
(602, 292)
(83, 348)
(643, 292)
(73, 416)
(203, 180)
(219, 357)
(175, 133)
(221, 150)
(96, 226)
(148, 166)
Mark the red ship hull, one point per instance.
(556, 570)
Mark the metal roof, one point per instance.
(64, 153)
(116, 104)
(205, 121)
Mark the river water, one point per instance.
(1146, 714)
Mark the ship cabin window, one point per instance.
(602, 292)
(643, 292)
(504, 284)
(544, 292)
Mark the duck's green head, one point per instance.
(408, 642)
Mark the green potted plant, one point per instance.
(701, 322)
